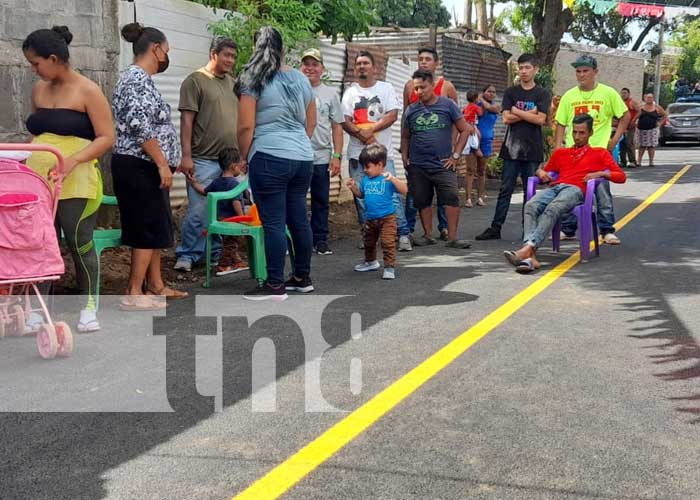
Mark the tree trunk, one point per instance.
(653, 21)
(549, 24)
(468, 13)
(482, 25)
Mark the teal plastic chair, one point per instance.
(254, 235)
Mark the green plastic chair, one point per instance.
(254, 235)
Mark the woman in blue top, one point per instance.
(487, 123)
(276, 117)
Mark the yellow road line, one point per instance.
(280, 479)
(651, 199)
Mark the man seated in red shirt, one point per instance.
(575, 166)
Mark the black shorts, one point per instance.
(422, 183)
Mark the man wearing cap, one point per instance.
(603, 103)
(327, 142)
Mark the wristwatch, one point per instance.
(338, 155)
(456, 156)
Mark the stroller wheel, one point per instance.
(47, 342)
(65, 339)
(17, 313)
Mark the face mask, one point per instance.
(163, 65)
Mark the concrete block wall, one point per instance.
(94, 50)
(614, 69)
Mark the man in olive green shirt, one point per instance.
(208, 115)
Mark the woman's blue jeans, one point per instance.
(279, 190)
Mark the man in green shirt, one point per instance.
(208, 122)
(602, 103)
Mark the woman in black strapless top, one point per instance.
(647, 122)
(71, 113)
(61, 121)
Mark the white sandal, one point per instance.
(88, 321)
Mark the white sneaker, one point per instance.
(564, 237)
(611, 239)
(183, 265)
(405, 244)
(389, 273)
(367, 266)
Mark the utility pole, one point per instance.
(657, 74)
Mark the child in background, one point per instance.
(471, 113)
(377, 189)
(231, 167)
(466, 169)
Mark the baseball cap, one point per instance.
(313, 53)
(585, 61)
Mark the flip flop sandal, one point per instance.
(525, 267)
(512, 258)
(168, 293)
(460, 244)
(141, 303)
(225, 271)
(90, 326)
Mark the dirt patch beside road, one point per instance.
(115, 262)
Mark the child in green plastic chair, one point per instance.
(231, 167)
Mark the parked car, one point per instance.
(682, 124)
(689, 98)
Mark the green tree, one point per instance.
(547, 21)
(296, 21)
(609, 29)
(686, 36)
(346, 17)
(300, 18)
(412, 13)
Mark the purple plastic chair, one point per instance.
(585, 213)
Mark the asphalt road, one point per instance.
(591, 390)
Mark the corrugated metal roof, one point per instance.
(467, 64)
(334, 62)
(472, 66)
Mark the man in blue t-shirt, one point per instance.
(430, 160)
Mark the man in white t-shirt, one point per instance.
(371, 107)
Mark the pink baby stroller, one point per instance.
(29, 252)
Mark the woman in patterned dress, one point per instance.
(145, 154)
